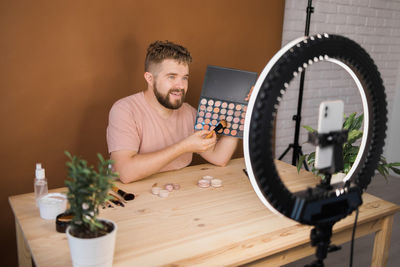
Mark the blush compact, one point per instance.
(223, 98)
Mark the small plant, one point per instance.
(87, 191)
(353, 124)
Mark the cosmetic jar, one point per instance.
(51, 205)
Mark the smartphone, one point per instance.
(330, 119)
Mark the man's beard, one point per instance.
(164, 99)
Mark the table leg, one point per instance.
(382, 243)
(24, 254)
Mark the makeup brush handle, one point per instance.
(118, 191)
(209, 135)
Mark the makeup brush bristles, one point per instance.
(221, 125)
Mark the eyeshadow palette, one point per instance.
(223, 98)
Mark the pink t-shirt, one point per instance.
(134, 125)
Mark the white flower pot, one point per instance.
(97, 251)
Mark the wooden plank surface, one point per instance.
(193, 226)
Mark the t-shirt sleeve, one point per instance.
(122, 130)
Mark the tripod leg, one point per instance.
(286, 151)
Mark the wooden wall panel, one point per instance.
(64, 63)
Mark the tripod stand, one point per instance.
(297, 151)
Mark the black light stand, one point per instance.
(321, 234)
(296, 147)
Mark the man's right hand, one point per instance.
(197, 142)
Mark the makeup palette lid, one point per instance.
(228, 84)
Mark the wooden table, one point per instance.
(202, 226)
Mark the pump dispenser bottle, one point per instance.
(40, 183)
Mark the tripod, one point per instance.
(297, 151)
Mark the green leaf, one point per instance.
(358, 122)
(300, 162)
(308, 128)
(354, 135)
(396, 170)
(349, 121)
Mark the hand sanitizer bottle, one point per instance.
(40, 183)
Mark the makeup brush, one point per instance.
(126, 196)
(221, 126)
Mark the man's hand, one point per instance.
(197, 142)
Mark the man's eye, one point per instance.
(185, 78)
(171, 77)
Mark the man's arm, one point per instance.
(132, 166)
(222, 152)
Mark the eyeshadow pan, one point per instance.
(218, 103)
(223, 111)
(242, 121)
(216, 110)
(224, 105)
(210, 102)
(238, 107)
(236, 120)
(243, 115)
(202, 107)
(214, 116)
(199, 126)
(207, 121)
(241, 127)
(209, 108)
(233, 132)
(206, 127)
(208, 115)
(244, 108)
(214, 122)
(200, 119)
(229, 118)
(226, 131)
(201, 114)
(222, 117)
(230, 112)
(237, 113)
(203, 101)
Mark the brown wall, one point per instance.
(64, 63)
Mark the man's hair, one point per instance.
(161, 50)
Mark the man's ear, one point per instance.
(148, 77)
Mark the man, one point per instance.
(153, 130)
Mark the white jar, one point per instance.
(51, 205)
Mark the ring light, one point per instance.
(313, 206)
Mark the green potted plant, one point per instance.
(353, 124)
(91, 240)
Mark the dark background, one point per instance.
(64, 63)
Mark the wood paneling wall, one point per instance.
(64, 63)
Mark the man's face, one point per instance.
(170, 83)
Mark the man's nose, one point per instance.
(180, 84)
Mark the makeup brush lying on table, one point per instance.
(218, 129)
(126, 196)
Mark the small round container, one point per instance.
(208, 177)
(216, 183)
(62, 221)
(163, 193)
(176, 186)
(203, 183)
(169, 187)
(156, 190)
(51, 205)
